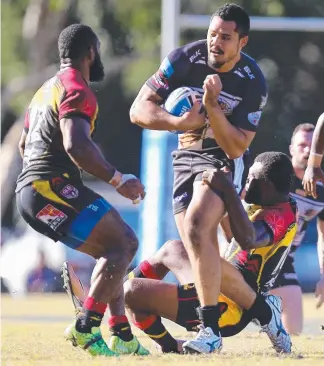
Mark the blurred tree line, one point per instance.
(130, 37)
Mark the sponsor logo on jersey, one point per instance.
(194, 56)
(228, 102)
(254, 117)
(69, 192)
(51, 216)
(249, 72)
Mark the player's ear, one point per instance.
(244, 41)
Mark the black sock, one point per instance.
(123, 331)
(209, 316)
(158, 333)
(261, 310)
(86, 320)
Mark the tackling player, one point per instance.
(56, 145)
(265, 229)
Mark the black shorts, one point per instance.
(61, 208)
(188, 167)
(232, 321)
(287, 275)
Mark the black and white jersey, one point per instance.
(243, 96)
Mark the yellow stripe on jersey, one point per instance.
(267, 252)
(93, 121)
(43, 187)
(232, 315)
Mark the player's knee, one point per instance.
(129, 292)
(172, 248)
(130, 243)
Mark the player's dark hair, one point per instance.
(235, 13)
(278, 169)
(75, 40)
(306, 127)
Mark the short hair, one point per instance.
(278, 169)
(235, 13)
(75, 40)
(306, 127)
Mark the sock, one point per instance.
(261, 310)
(120, 327)
(209, 316)
(143, 270)
(91, 315)
(153, 327)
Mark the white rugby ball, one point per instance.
(181, 101)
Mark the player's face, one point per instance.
(254, 183)
(224, 44)
(97, 72)
(300, 149)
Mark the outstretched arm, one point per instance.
(314, 172)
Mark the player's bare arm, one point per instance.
(87, 156)
(314, 172)
(233, 140)
(247, 234)
(146, 111)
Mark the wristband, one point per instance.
(116, 179)
(124, 179)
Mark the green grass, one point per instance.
(30, 342)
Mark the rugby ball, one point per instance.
(181, 101)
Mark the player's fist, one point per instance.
(217, 179)
(130, 187)
(212, 88)
(311, 176)
(193, 119)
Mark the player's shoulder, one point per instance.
(45, 92)
(72, 80)
(251, 70)
(192, 51)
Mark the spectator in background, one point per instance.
(42, 278)
(309, 207)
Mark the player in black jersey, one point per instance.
(287, 285)
(234, 94)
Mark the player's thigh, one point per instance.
(66, 210)
(98, 227)
(153, 296)
(205, 210)
(110, 233)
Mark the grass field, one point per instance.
(32, 331)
